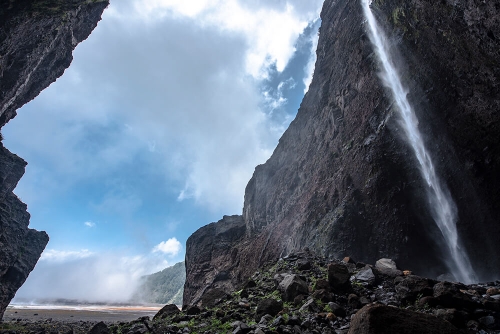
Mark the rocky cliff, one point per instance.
(343, 181)
(37, 38)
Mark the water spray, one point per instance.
(443, 207)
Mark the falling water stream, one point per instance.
(443, 207)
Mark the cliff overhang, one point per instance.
(36, 43)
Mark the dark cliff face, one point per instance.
(342, 181)
(36, 42)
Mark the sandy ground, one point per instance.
(73, 314)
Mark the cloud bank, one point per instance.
(87, 277)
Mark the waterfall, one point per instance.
(442, 205)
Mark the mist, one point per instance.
(87, 277)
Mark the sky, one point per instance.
(153, 132)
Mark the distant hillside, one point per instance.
(163, 287)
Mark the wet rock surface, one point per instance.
(36, 43)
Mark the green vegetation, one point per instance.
(164, 287)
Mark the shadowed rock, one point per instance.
(167, 311)
(379, 319)
(268, 306)
(36, 43)
(339, 277)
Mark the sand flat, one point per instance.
(78, 313)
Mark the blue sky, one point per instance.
(153, 132)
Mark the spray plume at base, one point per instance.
(442, 205)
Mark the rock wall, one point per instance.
(36, 42)
(343, 181)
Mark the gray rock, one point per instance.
(366, 275)
(386, 264)
(309, 306)
(268, 306)
(488, 321)
(292, 286)
(264, 321)
(303, 264)
(278, 321)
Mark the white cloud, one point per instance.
(89, 224)
(270, 30)
(311, 63)
(174, 83)
(53, 255)
(171, 247)
(87, 276)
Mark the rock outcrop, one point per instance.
(36, 42)
(390, 304)
(263, 306)
(343, 181)
(213, 257)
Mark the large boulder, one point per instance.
(339, 276)
(380, 319)
(449, 295)
(167, 311)
(268, 306)
(291, 286)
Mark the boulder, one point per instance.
(449, 295)
(380, 319)
(339, 277)
(166, 311)
(353, 301)
(456, 318)
(323, 295)
(292, 286)
(409, 288)
(100, 328)
(303, 264)
(366, 275)
(193, 310)
(212, 297)
(487, 321)
(338, 310)
(386, 264)
(267, 306)
(322, 284)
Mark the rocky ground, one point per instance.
(304, 293)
